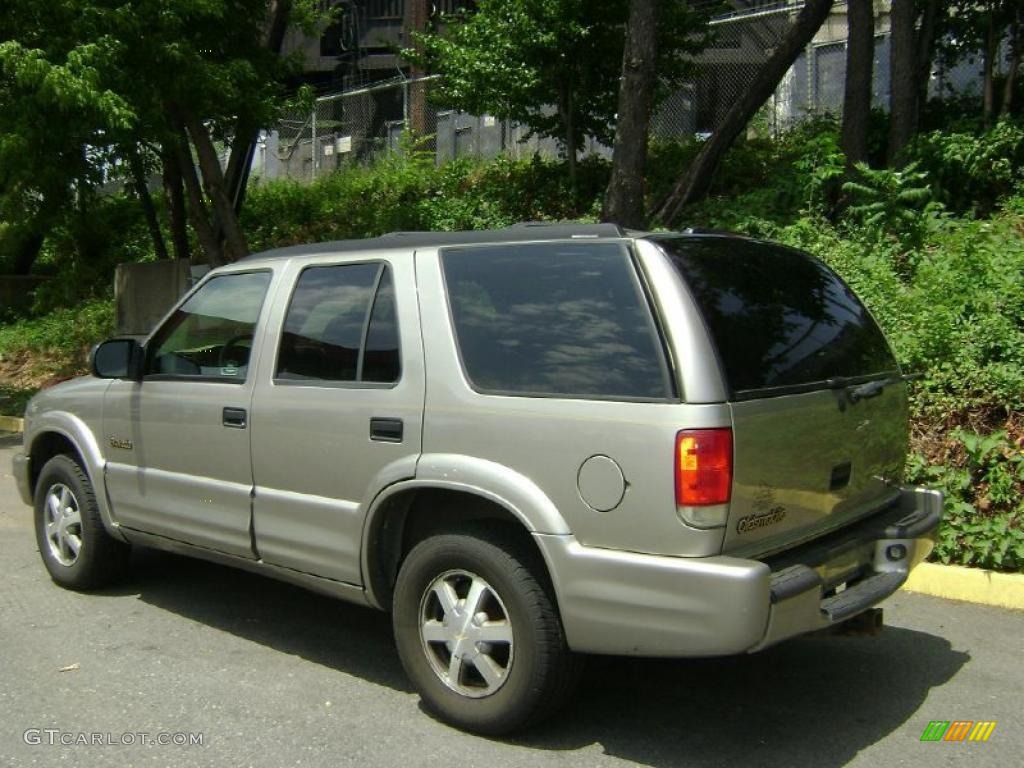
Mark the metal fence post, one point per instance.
(313, 150)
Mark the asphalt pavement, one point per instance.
(265, 674)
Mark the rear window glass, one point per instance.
(554, 319)
(779, 317)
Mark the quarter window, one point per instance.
(210, 336)
(554, 320)
(341, 326)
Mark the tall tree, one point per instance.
(553, 65)
(696, 180)
(904, 92)
(860, 56)
(973, 27)
(1016, 52)
(624, 200)
(91, 75)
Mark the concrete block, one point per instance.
(145, 292)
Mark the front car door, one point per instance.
(177, 442)
(337, 410)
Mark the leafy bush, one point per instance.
(971, 172)
(894, 204)
(983, 479)
(407, 192)
(82, 250)
(14, 399)
(69, 331)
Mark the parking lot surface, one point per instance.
(268, 675)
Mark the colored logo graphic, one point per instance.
(958, 730)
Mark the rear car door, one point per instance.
(177, 442)
(818, 403)
(337, 411)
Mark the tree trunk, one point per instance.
(926, 38)
(860, 56)
(990, 54)
(235, 246)
(172, 181)
(246, 134)
(200, 219)
(28, 241)
(566, 107)
(695, 182)
(903, 98)
(138, 170)
(624, 199)
(417, 16)
(1006, 107)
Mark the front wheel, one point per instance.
(478, 634)
(75, 547)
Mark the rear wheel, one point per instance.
(75, 547)
(478, 633)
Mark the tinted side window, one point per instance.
(341, 326)
(210, 335)
(779, 317)
(554, 319)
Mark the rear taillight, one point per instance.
(703, 467)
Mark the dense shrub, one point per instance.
(68, 331)
(971, 172)
(407, 192)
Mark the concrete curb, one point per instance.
(974, 585)
(12, 424)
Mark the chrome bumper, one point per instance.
(625, 603)
(20, 470)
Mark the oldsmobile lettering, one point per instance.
(761, 520)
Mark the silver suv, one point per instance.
(525, 444)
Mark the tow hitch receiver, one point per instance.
(866, 624)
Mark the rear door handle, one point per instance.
(386, 430)
(234, 418)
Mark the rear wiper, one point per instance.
(874, 388)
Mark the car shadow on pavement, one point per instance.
(10, 439)
(814, 701)
(323, 630)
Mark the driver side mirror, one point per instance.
(118, 359)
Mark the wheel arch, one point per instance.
(408, 512)
(59, 432)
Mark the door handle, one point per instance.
(386, 430)
(235, 418)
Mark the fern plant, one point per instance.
(892, 204)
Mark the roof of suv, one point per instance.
(525, 232)
(517, 233)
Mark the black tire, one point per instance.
(100, 559)
(541, 672)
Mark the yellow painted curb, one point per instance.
(12, 424)
(975, 585)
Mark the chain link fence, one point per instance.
(355, 126)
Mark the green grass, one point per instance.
(13, 401)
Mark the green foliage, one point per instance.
(971, 172)
(69, 330)
(983, 482)
(85, 246)
(892, 204)
(13, 400)
(516, 58)
(86, 80)
(407, 192)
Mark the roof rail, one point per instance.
(523, 232)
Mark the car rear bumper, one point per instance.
(616, 602)
(20, 470)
